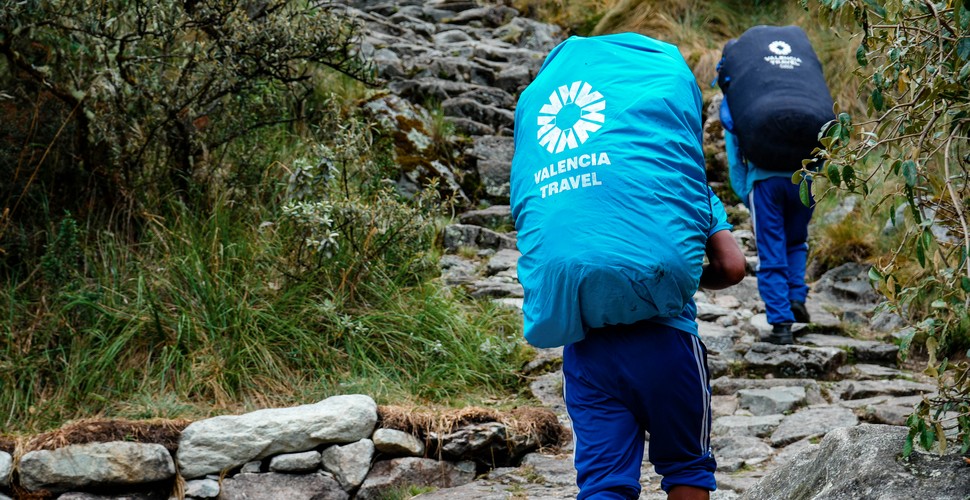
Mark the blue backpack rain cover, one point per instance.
(608, 187)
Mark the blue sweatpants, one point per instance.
(622, 381)
(781, 234)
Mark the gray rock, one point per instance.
(861, 350)
(710, 312)
(845, 207)
(771, 401)
(117, 463)
(722, 406)
(494, 217)
(491, 16)
(547, 388)
(465, 235)
(489, 443)
(503, 260)
(349, 464)
(727, 301)
(871, 453)
(494, 161)
(252, 467)
(514, 303)
(450, 37)
(316, 486)
(457, 270)
(885, 321)
(6, 468)
(849, 281)
(864, 371)
(202, 488)
(731, 386)
(496, 286)
(744, 448)
(792, 450)
(717, 339)
(793, 360)
(545, 360)
(541, 477)
(514, 79)
(216, 444)
(464, 107)
(306, 461)
(742, 425)
(137, 495)
(397, 443)
(530, 34)
(860, 389)
(388, 474)
(892, 412)
(810, 422)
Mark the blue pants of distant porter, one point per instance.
(622, 381)
(780, 221)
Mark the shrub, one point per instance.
(914, 59)
(112, 107)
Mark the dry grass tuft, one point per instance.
(8, 444)
(159, 431)
(541, 423)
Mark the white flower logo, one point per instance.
(779, 47)
(574, 111)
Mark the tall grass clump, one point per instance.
(323, 283)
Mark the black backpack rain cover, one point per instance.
(777, 95)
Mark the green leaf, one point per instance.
(797, 177)
(920, 253)
(965, 284)
(833, 173)
(848, 175)
(909, 172)
(804, 194)
(964, 72)
(874, 274)
(927, 238)
(834, 132)
(927, 438)
(963, 48)
(860, 55)
(938, 304)
(908, 444)
(877, 99)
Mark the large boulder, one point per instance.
(216, 444)
(112, 464)
(864, 462)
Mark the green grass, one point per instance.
(200, 318)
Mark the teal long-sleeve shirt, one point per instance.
(742, 172)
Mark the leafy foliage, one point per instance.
(235, 238)
(914, 59)
(117, 105)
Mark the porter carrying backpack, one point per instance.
(608, 187)
(776, 92)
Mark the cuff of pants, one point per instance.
(698, 473)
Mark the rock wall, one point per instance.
(333, 449)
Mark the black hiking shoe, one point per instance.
(781, 334)
(800, 312)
